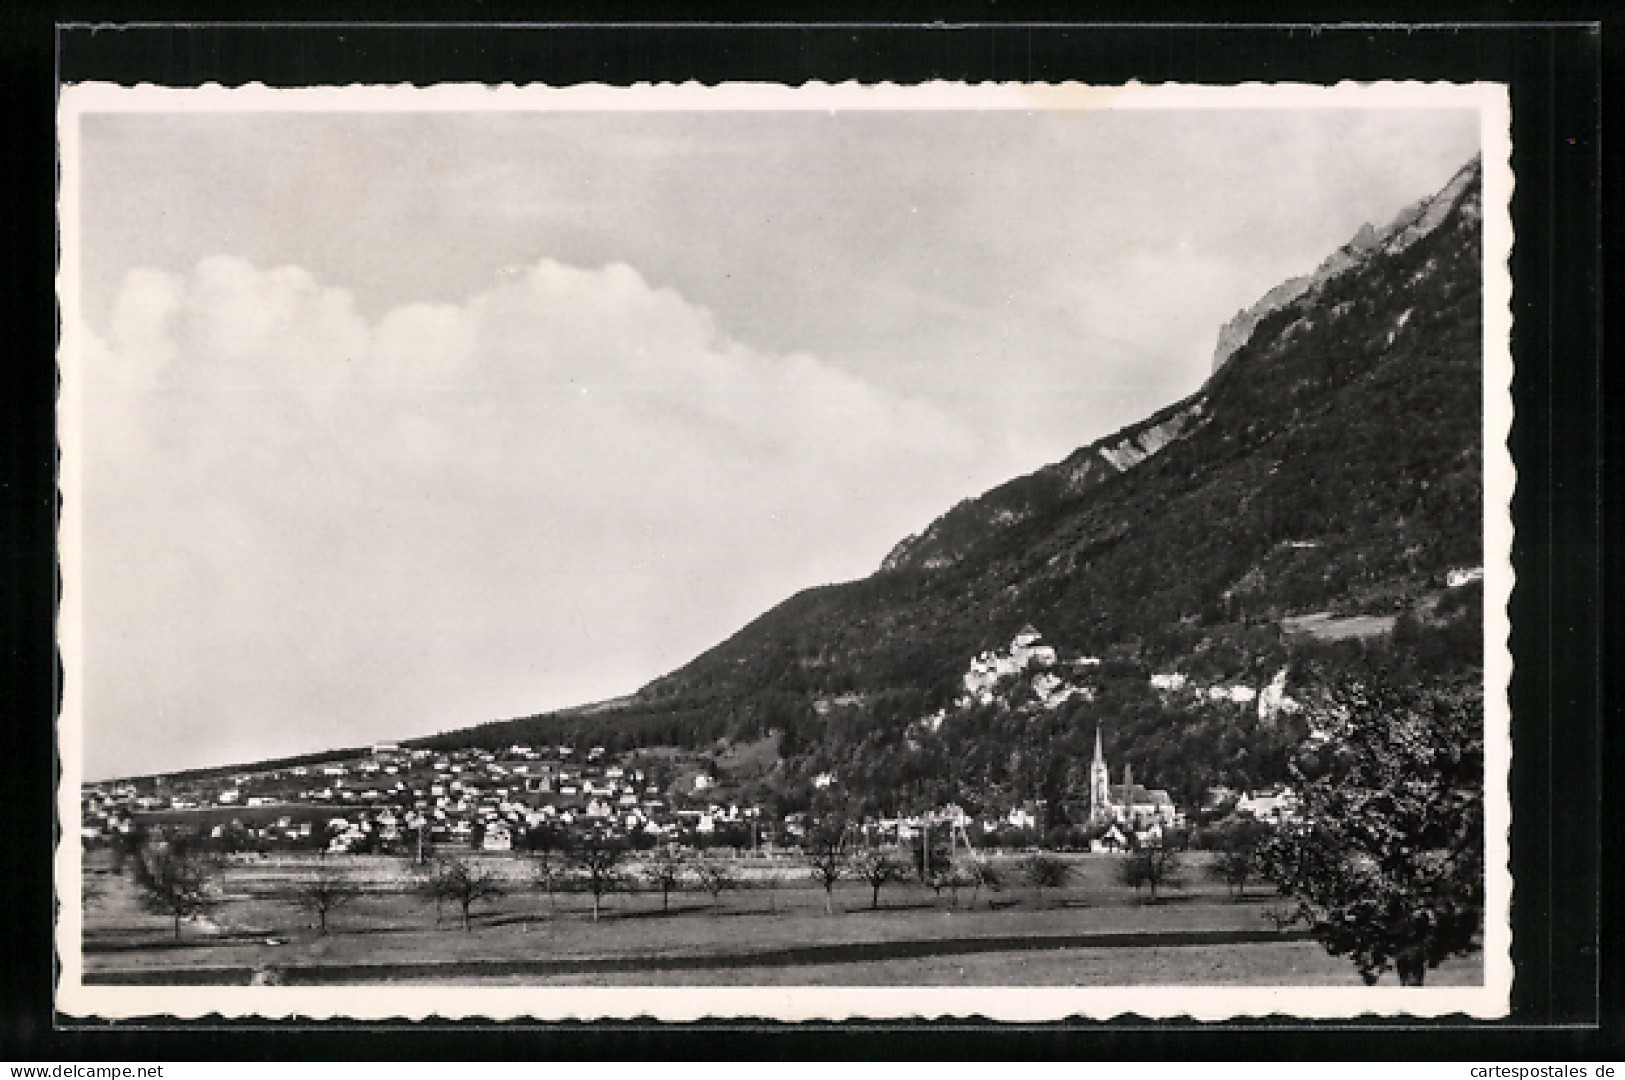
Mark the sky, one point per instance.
(398, 422)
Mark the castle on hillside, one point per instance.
(1128, 804)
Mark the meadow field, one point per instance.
(772, 929)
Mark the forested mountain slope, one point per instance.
(1331, 467)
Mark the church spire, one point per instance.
(1100, 784)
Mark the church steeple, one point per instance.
(1100, 784)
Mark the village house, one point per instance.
(1021, 817)
(1113, 839)
(1276, 804)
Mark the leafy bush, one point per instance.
(1046, 872)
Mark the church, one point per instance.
(1128, 804)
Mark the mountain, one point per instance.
(956, 532)
(1315, 505)
(1409, 226)
(946, 538)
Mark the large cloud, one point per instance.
(304, 526)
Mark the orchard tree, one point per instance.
(596, 859)
(715, 877)
(665, 870)
(175, 880)
(1386, 860)
(876, 869)
(970, 873)
(825, 852)
(1156, 864)
(465, 883)
(1239, 855)
(546, 843)
(322, 893)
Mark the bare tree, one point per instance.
(597, 860)
(175, 881)
(715, 877)
(825, 851)
(877, 870)
(665, 870)
(546, 844)
(323, 892)
(465, 883)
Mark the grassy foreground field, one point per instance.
(1092, 932)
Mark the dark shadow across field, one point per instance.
(798, 956)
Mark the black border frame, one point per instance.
(1565, 1002)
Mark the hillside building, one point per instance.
(1277, 804)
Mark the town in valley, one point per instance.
(1199, 703)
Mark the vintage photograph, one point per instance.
(1014, 551)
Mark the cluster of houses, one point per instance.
(483, 798)
(395, 798)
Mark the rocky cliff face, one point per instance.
(948, 538)
(1411, 224)
(1131, 446)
